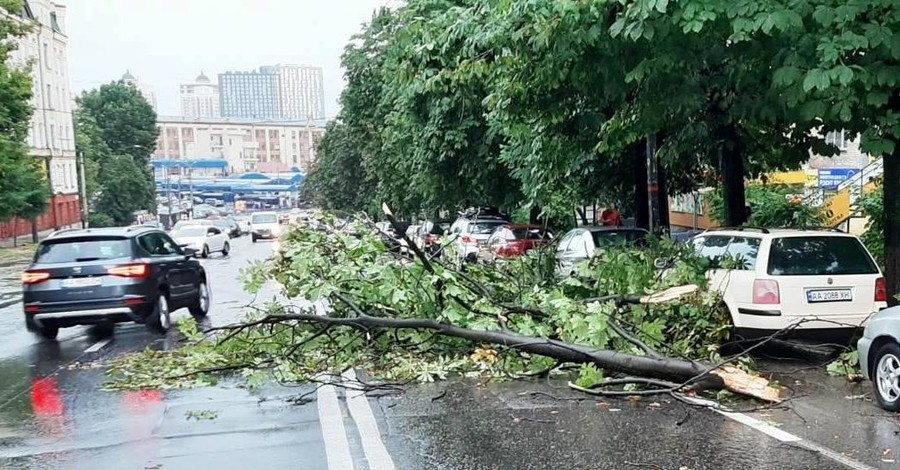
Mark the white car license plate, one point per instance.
(82, 282)
(833, 295)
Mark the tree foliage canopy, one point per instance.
(457, 102)
(23, 186)
(116, 134)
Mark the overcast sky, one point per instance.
(168, 42)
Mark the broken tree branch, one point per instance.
(666, 369)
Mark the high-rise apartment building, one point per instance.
(285, 92)
(146, 90)
(200, 99)
(301, 92)
(250, 95)
(51, 137)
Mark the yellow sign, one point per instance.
(788, 177)
(812, 178)
(837, 208)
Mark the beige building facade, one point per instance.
(243, 143)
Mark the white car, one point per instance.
(203, 238)
(264, 225)
(469, 235)
(580, 244)
(815, 281)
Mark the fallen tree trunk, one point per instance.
(688, 375)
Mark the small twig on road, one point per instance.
(439, 396)
(644, 465)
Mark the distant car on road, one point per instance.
(192, 222)
(469, 235)
(264, 225)
(203, 239)
(229, 226)
(511, 241)
(111, 275)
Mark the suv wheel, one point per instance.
(886, 376)
(45, 332)
(200, 307)
(205, 252)
(160, 318)
(225, 249)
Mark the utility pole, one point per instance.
(79, 156)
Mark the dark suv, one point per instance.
(111, 275)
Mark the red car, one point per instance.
(510, 241)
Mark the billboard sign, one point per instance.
(830, 178)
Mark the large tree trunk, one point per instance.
(892, 223)
(732, 167)
(679, 371)
(663, 197)
(641, 189)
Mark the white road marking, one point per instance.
(361, 412)
(781, 435)
(337, 447)
(98, 345)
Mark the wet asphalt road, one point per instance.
(54, 415)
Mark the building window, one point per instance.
(49, 96)
(837, 138)
(47, 57)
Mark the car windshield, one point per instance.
(531, 233)
(190, 231)
(483, 227)
(82, 249)
(264, 219)
(605, 238)
(819, 256)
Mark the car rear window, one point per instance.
(812, 256)
(531, 234)
(264, 219)
(617, 237)
(484, 228)
(73, 250)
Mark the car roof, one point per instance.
(776, 232)
(614, 229)
(131, 231)
(526, 227)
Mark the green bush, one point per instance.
(101, 220)
(772, 207)
(872, 205)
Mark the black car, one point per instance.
(229, 226)
(111, 275)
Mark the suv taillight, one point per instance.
(765, 292)
(880, 290)
(34, 277)
(129, 270)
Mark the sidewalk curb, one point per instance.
(11, 301)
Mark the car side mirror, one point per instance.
(190, 252)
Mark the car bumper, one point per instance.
(772, 319)
(266, 235)
(863, 346)
(129, 308)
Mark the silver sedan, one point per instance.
(879, 357)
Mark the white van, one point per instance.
(810, 279)
(264, 225)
